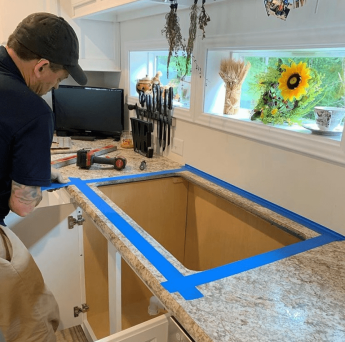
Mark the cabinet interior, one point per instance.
(135, 296)
(199, 228)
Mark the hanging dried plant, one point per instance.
(172, 32)
(192, 33)
(204, 18)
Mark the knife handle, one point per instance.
(157, 102)
(165, 101)
(171, 98)
(153, 98)
(161, 100)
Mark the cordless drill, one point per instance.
(85, 158)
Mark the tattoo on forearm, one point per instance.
(27, 195)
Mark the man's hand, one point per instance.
(57, 177)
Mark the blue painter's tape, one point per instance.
(55, 186)
(237, 267)
(128, 177)
(276, 208)
(187, 285)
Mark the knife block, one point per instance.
(141, 132)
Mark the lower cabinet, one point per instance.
(118, 300)
(94, 286)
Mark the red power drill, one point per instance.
(85, 158)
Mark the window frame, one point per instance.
(307, 144)
(153, 45)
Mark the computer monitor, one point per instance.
(88, 111)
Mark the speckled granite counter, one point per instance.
(299, 298)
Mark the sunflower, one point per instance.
(294, 80)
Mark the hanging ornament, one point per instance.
(279, 8)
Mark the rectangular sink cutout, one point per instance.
(201, 229)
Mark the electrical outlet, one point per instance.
(177, 146)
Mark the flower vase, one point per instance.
(232, 99)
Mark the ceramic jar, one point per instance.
(144, 84)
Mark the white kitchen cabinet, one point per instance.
(94, 286)
(14, 11)
(55, 249)
(98, 40)
(87, 7)
(99, 44)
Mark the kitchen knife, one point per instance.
(147, 107)
(160, 116)
(170, 108)
(153, 99)
(131, 107)
(150, 111)
(165, 117)
(157, 108)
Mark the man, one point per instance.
(41, 52)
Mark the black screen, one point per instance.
(88, 111)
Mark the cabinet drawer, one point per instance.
(159, 329)
(153, 330)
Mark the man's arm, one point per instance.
(24, 198)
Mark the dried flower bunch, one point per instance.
(288, 92)
(204, 18)
(172, 32)
(233, 73)
(192, 32)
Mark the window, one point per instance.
(327, 62)
(149, 63)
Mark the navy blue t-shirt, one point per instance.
(26, 133)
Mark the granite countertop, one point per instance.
(298, 298)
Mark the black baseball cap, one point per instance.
(52, 38)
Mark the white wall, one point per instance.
(309, 187)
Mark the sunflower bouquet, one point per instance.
(287, 93)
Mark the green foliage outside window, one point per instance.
(178, 76)
(330, 69)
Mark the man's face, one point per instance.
(48, 80)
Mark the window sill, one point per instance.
(291, 138)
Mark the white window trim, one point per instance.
(307, 144)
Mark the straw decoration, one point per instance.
(233, 74)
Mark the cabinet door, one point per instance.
(55, 248)
(155, 330)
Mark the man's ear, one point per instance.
(40, 67)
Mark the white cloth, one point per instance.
(28, 310)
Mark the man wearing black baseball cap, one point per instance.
(42, 51)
